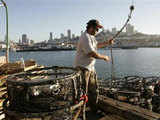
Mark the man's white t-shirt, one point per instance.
(87, 43)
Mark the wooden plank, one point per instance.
(2, 117)
(117, 117)
(2, 83)
(112, 117)
(30, 67)
(16, 67)
(125, 110)
(2, 60)
(2, 93)
(106, 118)
(3, 77)
(1, 104)
(2, 89)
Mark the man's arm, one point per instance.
(98, 56)
(104, 44)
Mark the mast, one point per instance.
(7, 40)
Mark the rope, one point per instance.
(114, 37)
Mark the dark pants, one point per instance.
(90, 86)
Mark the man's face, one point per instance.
(93, 30)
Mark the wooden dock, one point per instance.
(109, 109)
(103, 116)
(5, 70)
(125, 110)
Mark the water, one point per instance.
(143, 61)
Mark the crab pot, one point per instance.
(127, 89)
(45, 93)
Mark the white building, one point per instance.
(2, 45)
(130, 29)
(114, 30)
(62, 35)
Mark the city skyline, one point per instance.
(69, 35)
(37, 18)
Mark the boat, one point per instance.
(129, 47)
(42, 94)
(46, 49)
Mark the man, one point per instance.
(148, 94)
(86, 56)
(156, 97)
(157, 88)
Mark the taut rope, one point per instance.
(115, 36)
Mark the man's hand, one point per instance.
(111, 41)
(106, 58)
(98, 56)
(106, 43)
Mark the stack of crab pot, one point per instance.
(46, 93)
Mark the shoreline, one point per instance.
(71, 49)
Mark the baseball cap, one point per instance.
(94, 23)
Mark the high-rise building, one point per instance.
(24, 39)
(69, 34)
(28, 41)
(62, 35)
(129, 29)
(19, 41)
(51, 36)
(31, 42)
(114, 30)
(73, 36)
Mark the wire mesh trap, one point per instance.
(132, 89)
(45, 91)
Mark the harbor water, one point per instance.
(142, 61)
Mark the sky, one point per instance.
(37, 18)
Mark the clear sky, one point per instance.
(37, 18)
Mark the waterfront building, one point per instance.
(130, 29)
(114, 30)
(62, 36)
(51, 40)
(31, 42)
(65, 39)
(69, 34)
(20, 41)
(24, 39)
(28, 41)
(73, 36)
(2, 45)
(51, 36)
